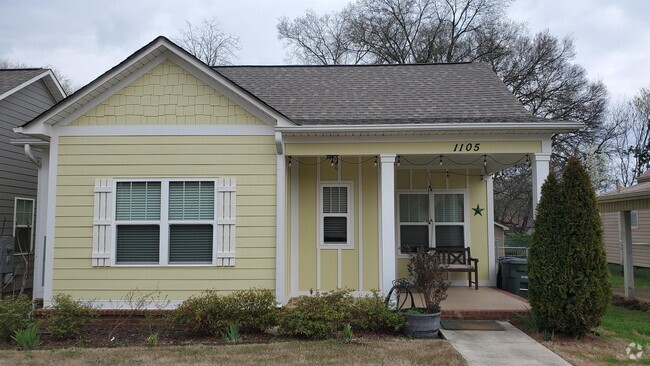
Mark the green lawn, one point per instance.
(617, 281)
(632, 325)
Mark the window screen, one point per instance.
(335, 215)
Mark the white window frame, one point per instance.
(466, 217)
(349, 244)
(400, 192)
(164, 223)
(15, 225)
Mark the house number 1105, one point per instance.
(468, 147)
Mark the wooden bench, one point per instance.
(458, 260)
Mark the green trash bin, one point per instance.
(518, 277)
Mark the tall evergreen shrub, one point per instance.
(547, 267)
(589, 290)
(569, 279)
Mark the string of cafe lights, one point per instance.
(335, 159)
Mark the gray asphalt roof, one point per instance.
(378, 94)
(11, 78)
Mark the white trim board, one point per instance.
(166, 130)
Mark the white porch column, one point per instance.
(628, 266)
(540, 172)
(388, 263)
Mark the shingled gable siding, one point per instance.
(167, 95)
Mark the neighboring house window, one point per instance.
(634, 219)
(449, 220)
(336, 214)
(413, 221)
(23, 224)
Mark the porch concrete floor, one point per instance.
(486, 303)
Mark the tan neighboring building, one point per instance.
(640, 227)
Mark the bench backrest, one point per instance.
(452, 255)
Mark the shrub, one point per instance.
(372, 314)
(27, 338)
(66, 317)
(547, 271)
(569, 281)
(15, 314)
(321, 315)
(316, 317)
(209, 313)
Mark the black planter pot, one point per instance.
(422, 325)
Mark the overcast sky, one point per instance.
(84, 38)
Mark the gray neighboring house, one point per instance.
(24, 94)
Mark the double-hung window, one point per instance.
(23, 224)
(449, 220)
(165, 222)
(413, 221)
(335, 214)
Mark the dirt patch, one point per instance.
(635, 304)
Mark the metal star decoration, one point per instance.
(478, 210)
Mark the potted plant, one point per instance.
(429, 279)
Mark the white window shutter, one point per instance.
(226, 215)
(102, 219)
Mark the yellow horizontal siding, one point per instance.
(167, 95)
(87, 158)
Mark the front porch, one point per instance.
(352, 220)
(486, 303)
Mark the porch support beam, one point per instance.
(388, 270)
(540, 172)
(628, 265)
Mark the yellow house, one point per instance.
(167, 174)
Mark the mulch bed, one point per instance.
(128, 337)
(635, 304)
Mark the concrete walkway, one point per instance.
(508, 347)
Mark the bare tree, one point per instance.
(314, 39)
(208, 42)
(537, 68)
(631, 149)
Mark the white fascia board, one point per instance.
(24, 84)
(556, 127)
(621, 197)
(40, 131)
(74, 98)
(53, 85)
